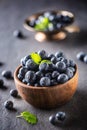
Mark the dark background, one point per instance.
(12, 16)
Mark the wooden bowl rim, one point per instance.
(17, 81)
(64, 12)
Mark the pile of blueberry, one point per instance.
(42, 69)
(50, 21)
(82, 57)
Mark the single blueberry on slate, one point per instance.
(14, 92)
(85, 59)
(60, 116)
(7, 74)
(8, 105)
(80, 56)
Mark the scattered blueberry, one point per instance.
(57, 118)
(85, 59)
(14, 92)
(8, 105)
(60, 116)
(1, 63)
(18, 33)
(52, 119)
(1, 83)
(7, 74)
(80, 56)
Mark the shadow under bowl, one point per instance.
(47, 97)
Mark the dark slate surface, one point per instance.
(12, 15)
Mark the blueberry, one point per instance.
(20, 77)
(7, 74)
(43, 67)
(54, 60)
(14, 92)
(71, 63)
(60, 116)
(39, 75)
(18, 33)
(62, 78)
(59, 54)
(31, 65)
(67, 20)
(85, 59)
(52, 119)
(8, 105)
(69, 72)
(1, 83)
(65, 61)
(59, 25)
(50, 67)
(30, 77)
(24, 60)
(61, 66)
(73, 69)
(60, 59)
(51, 56)
(45, 81)
(43, 54)
(54, 82)
(48, 75)
(36, 85)
(80, 56)
(24, 81)
(55, 74)
(59, 18)
(1, 63)
(23, 71)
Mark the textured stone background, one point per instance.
(12, 15)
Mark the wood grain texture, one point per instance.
(47, 97)
(12, 16)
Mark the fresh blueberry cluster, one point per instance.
(42, 69)
(50, 21)
(82, 57)
(57, 118)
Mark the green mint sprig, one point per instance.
(46, 61)
(36, 58)
(29, 117)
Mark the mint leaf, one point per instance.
(36, 58)
(46, 61)
(29, 117)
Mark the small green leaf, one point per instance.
(30, 118)
(36, 58)
(46, 61)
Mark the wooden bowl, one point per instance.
(47, 97)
